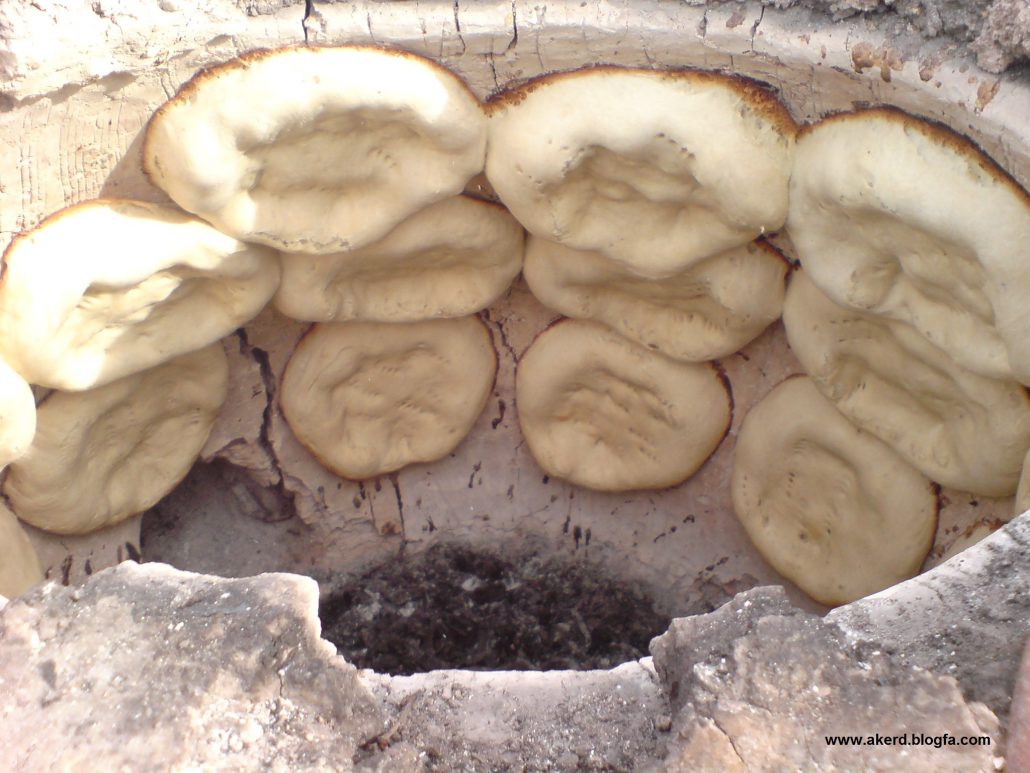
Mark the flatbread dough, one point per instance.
(906, 219)
(367, 398)
(17, 415)
(103, 455)
(111, 287)
(707, 311)
(605, 413)
(316, 149)
(451, 259)
(830, 507)
(960, 429)
(654, 169)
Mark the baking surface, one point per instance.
(684, 544)
(72, 127)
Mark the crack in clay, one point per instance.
(755, 26)
(309, 11)
(396, 483)
(371, 507)
(539, 56)
(493, 72)
(368, 23)
(475, 469)
(505, 343)
(457, 26)
(514, 28)
(261, 357)
(647, 54)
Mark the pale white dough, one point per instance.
(959, 428)
(654, 169)
(17, 415)
(19, 564)
(452, 259)
(111, 287)
(316, 149)
(905, 219)
(830, 507)
(704, 312)
(605, 413)
(103, 455)
(367, 398)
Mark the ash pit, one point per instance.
(514, 607)
(454, 607)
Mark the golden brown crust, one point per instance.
(87, 204)
(244, 61)
(758, 95)
(934, 131)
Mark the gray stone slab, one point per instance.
(144, 668)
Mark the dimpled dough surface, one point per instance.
(367, 398)
(603, 412)
(451, 259)
(709, 310)
(102, 455)
(959, 428)
(905, 219)
(111, 287)
(316, 149)
(656, 170)
(829, 506)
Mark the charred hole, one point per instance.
(455, 607)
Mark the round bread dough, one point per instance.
(452, 259)
(367, 398)
(605, 413)
(112, 287)
(103, 455)
(829, 506)
(906, 219)
(316, 149)
(19, 564)
(1023, 489)
(654, 169)
(17, 415)
(959, 428)
(704, 312)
